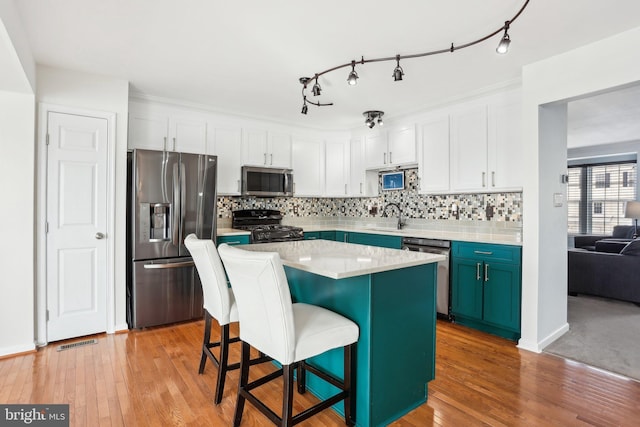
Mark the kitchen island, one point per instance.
(391, 295)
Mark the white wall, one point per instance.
(17, 170)
(17, 165)
(593, 68)
(87, 91)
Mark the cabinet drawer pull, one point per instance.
(478, 270)
(484, 175)
(360, 188)
(235, 242)
(483, 253)
(390, 161)
(493, 178)
(486, 272)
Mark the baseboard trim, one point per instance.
(17, 350)
(537, 347)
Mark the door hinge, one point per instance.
(46, 139)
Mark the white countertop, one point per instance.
(338, 260)
(503, 238)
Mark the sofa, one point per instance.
(605, 274)
(621, 235)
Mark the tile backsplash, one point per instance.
(489, 207)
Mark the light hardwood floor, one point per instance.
(149, 378)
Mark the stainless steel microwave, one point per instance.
(266, 182)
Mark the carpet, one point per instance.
(603, 333)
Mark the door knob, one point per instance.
(99, 235)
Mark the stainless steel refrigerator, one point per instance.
(172, 195)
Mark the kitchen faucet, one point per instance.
(401, 223)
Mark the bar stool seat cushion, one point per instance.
(318, 330)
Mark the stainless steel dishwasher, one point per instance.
(440, 247)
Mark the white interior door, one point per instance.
(77, 158)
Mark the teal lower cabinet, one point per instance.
(382, 240)
(324, 235)
(486, 282)
(242, 239)
(341, 236)
(328, 235)
(311, 235)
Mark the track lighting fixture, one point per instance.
(503, 46)
(372, 117)
(398, 72)
(353, 76)
(316, 87)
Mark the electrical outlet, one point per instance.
(295, 209)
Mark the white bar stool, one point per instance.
(288, 332)
(219, 303)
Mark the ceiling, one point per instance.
(246, 57)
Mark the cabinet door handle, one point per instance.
(360, 188)
(384, 158)
(478, 264)
(271, 159)
(486, 272)
(345, 189)
(484, 175)
(483, 253)
(493, 178)
(390, 161)
(239, 186)
(164, 146)
(265, 159)
(174, 144)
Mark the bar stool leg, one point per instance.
(244, 380)
(223, 363)
(287, 398)
(205, 341)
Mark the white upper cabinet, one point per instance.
(337, 155)
(270, 149)
(469, 148)
(148, 130)
(226, 143)
(362, 182)
(486, 145)
(402, 145)
(433, 162)
(165, 129)
(308, 167)
(397, 147)
(505, 144)
(375, 147)
(187, 135)
(279, 149)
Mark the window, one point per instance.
(596, 196)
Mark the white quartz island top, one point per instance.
(338, 260)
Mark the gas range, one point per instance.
(265, 226)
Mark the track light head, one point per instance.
(398, 72)
(503, 46)
(316, 88)
(353, 76)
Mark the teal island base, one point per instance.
(396, 313)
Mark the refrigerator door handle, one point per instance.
(170, 265)
(175, 235)
(183, 201)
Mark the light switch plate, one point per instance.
(557, 199)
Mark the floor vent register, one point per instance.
(77, 344)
